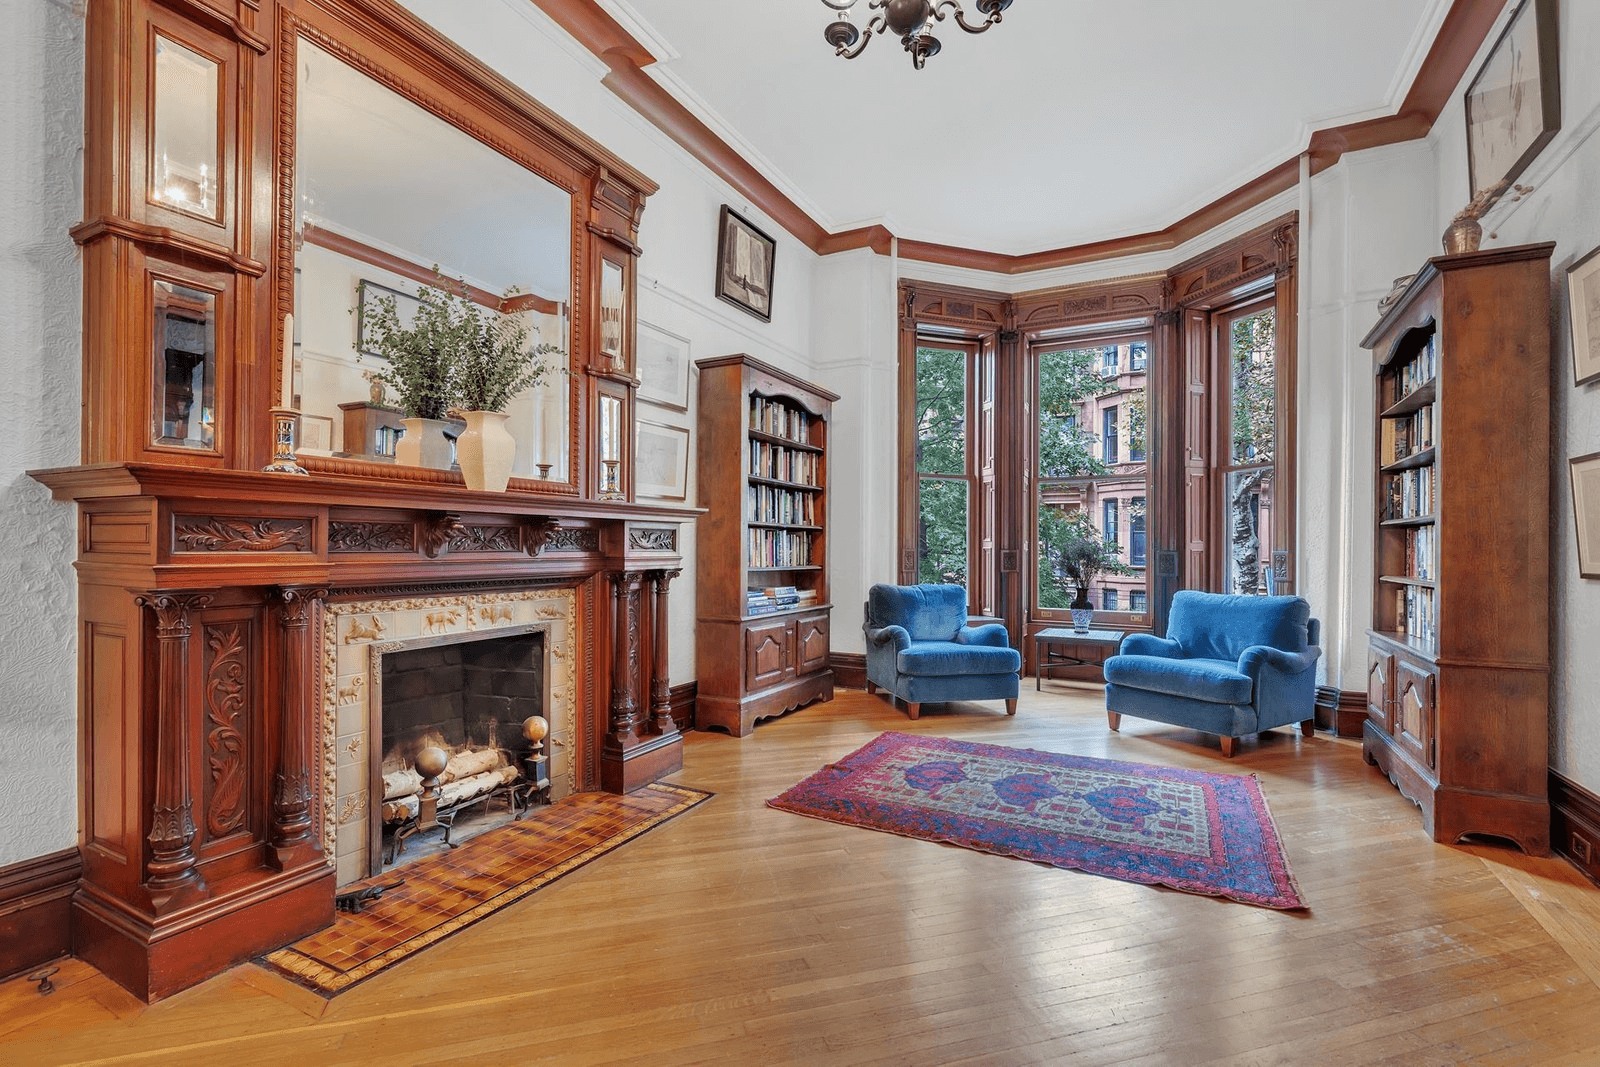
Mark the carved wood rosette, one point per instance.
(661, 720)
(625, 587)
(170, 875)
(292, 842)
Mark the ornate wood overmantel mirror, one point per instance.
(406, 172)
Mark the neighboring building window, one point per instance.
(1108, 601)
(1138, 355)
(1136, 538)
(1108, 435)
(1108, 361)
(1109, 527)
(1136, 600)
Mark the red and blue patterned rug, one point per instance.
(1190, 830)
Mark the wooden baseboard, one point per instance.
(1348, 716)
(1575, 825)
(849, 669)
(36, 910)
(682, 697)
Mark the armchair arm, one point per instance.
(988, 634)
(1150, 645)
(1257, 657)
(883, 635)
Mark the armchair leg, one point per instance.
(913, 708)
(1308, 727)
(1115, 719)
(1011, 706)
(871, 687)
(1228, 746)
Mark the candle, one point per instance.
(288, 362)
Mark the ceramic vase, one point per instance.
(423, 444)
(1081, 617)
(485, 450)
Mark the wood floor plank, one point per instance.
(739, 934)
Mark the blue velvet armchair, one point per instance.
(920, 648)
(1229, 665)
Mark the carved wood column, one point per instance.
(170, 875)
(624, 658)
(292, 840)
(661, 721)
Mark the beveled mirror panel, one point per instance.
(385, 193)
(186, 139)
(184, 354)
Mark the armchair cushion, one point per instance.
(1202, 679)
(946, 658)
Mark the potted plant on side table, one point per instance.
(1078, 556)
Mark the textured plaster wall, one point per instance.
(41, 112)
(1565, 208)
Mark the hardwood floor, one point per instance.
(737, 934)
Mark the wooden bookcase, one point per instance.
(763, 478)
(1459, 655)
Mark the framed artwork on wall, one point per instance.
(1586, 512)
(1583, 307)
(744, 265)
(661, 461)
(663, 367)
(1514, 102)
(367, 295)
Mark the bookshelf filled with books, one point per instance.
(1459, 643)
(762, 632)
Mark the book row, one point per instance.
(1415, 614)
(1408, 494)
(1408, 435)
(783, 464)
(779, 420)
(1422, 552)
(766, 503)
(1419, 370)
(779, 548)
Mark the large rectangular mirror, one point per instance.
(390, 198)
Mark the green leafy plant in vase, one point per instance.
(1077, 556)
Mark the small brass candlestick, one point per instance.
(285, 421)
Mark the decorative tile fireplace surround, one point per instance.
(356, 635)
(229, 626)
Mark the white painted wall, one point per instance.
(41, 297)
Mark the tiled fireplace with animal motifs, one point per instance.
(355, 637)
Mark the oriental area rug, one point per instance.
(449, 891)
(1190, 830)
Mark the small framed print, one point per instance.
(661, 461)
(663, 360)
(316, 435)
(1586, 512)
(1514, 102)
(744, 265)
(1583, 307)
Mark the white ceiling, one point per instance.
(1070, 122)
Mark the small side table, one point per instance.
(1047, 651)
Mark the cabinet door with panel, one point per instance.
(766, 653)
(1380, 686)
(1414, 711)
(811, 643)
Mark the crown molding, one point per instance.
(1461, 33)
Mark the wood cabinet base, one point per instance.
(739, 715)
(623, 771)
(156, 958)
(1448, 814)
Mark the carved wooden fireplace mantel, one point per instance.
(200, 603)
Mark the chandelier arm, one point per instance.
(961, 16)
(874, 25)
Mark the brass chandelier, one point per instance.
(911, 20)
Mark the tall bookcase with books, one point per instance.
(1459, 654)
(762, 632)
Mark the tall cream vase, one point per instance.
(485, 450)
(423, 444)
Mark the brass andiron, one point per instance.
(284, 423)
(535, 785)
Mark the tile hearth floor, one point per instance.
(451, 890)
